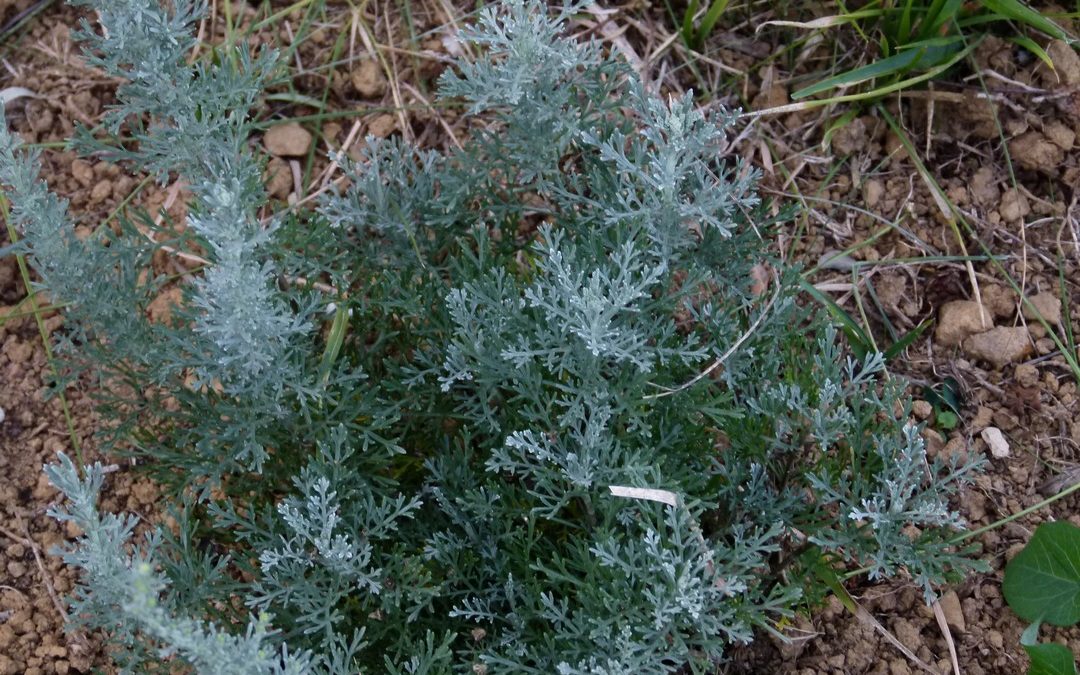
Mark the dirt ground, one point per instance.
(1009, 162)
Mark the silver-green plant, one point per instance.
(550, 426)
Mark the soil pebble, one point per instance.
(1000, 300)
(382, 126)
(954, 614)
(1043, 304)
(1066, 63)
(368, 80)
(287, 140)
(1014, 206)
(279, 182)
(921, 409)
(995, 440)
(1033, 150)
(959, 319)
(999, 346)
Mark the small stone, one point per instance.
(995, 440)
(368, 79)
(16, 569)
(382, 126)
(1005, 419)
(1066, 63)
(935, 442)
(3, 415)
(19, 352)
(959, 319)
(983, 417)
(956, 447)
(102, 191)
(954, 615)
(1014, 206)
(1000, 300)
(1047, 305)
(1033, 150)
(973, 505)
(1060, 135)
(83, 172)
(287, 140)
(984, 189)
(1026, 374)
(850, 138)
(873, 191)
(278, 178)
(1000, 346)
(921, 409)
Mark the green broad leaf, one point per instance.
(1018, 11)
(1042, 583)
(947, 420)
(1050, 659)
(945, 396)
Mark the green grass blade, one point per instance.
(901, 84)
(941, 13)
(1018, 11)
(334, 341)
(931, 52)
(903, 31)
(905, 341)
(688, 22)
(860, 342)
(1033, 47)
(888, 66)
(716, 10)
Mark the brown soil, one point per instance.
(1029, 396)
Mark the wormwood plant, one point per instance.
(537, 416)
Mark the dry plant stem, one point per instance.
(27, 541)
(939, 615)
(961, 538)
(324, 177)
(442, 121)
(615, 34)
(395, 81)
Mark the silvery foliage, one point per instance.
(536, 311)
(198, 128)
(894, 507)
(235, 334)
(324, 556)
(121, 590)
